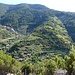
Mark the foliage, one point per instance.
(51, 67)
(43, 42)
(47, 33)
(68, 19)
(69, 61)
(8, 64)
(60, 62)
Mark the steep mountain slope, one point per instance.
(68, 20)
(24, 17)
(46, 32)
(3, 9)
(46, 41)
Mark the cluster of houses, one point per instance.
(9, 28)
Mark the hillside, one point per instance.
(41, 39)
(7, 37)
(6, 32)
(3, 9)
(68, 20)
(46, 41)
(38, 32)
(24, 18)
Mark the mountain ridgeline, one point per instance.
(42, 33)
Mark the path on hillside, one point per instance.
(3, 40)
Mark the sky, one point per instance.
(61, 5)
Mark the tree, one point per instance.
(60, 62)
(9, 64)
(50, 67)
(26, 69)
(69, 60)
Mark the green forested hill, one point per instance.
(41, 39)
(24, 18)
(68, 20)
(41, 32)
(46, 41)
(3, 9)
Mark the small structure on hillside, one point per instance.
(60, 72)
(9, 28)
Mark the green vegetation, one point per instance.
(46, 41)
(45, 34)
(38, 37)
(4, 33)
(9, 64)
(24, 18)
(68, 20)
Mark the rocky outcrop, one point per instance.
(60, 72)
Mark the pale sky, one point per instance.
(62, 5)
